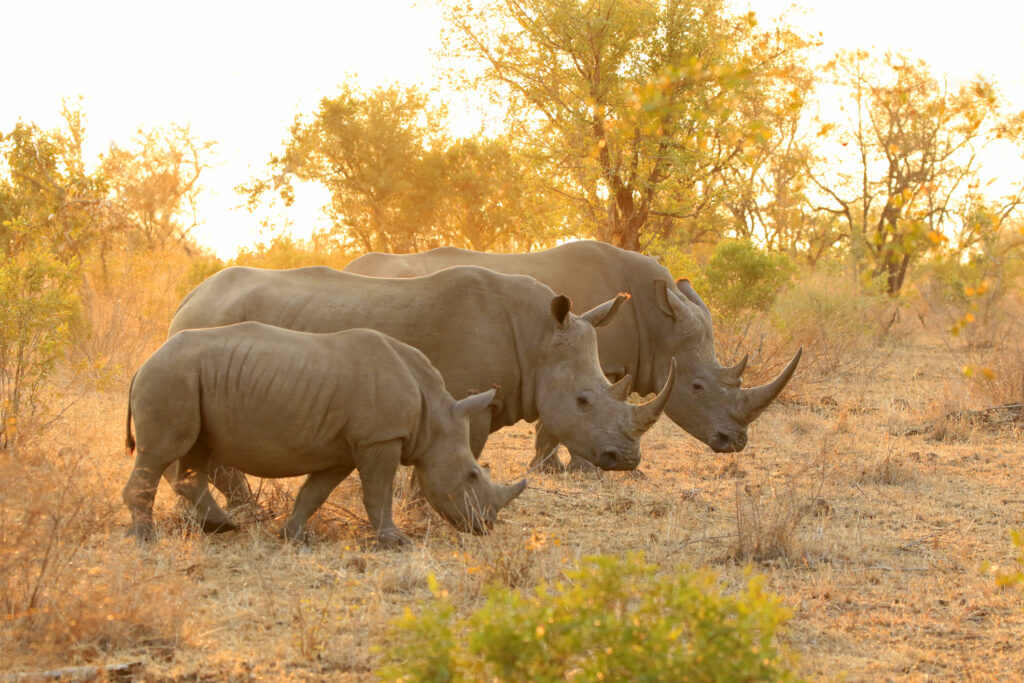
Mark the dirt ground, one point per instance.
(867, 510)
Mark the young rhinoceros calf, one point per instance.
(279, 403)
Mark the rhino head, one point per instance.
(450, 478)
(708, 400)
(577, 403)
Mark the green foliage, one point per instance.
(615, 619)
(1016, 577)
(37, 304)
(740, 278)
(398, 184)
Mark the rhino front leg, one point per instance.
(377, 467)
(311, 496)
(546, 446)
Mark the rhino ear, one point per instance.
(599, 316)
(669, 302)
(690, 293)
(471, 405)
(560, 307)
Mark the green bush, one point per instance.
(740, 278)
(37, 305)
(615, 619)
(1016, 577)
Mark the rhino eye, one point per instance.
(473, 475)
(583, 403)
(698, 388)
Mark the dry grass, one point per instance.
(875, 540)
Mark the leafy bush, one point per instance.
(740, 278)
(1016, 577)
(615, 619)
(36, 307)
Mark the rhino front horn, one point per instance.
(755, 400)
(506, 494)
(648, 413)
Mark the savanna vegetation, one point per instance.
(859, 208)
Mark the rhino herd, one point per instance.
(414, 360)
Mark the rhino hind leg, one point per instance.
(377, 465)
(311, 496)
(232, 483)
(138, 495)
(191, 483)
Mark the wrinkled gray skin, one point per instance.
(278, 403)
(666, 320)
(478, 328)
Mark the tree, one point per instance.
(488, 201)
(49, 211)
(399, 184)
(632, 108)
(154, 184)
(374, 154)
(908, 153)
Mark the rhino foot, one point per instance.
(211, 526)
(141, 532)
(392, 539)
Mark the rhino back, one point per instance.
(274, 402)
(476, 327)
(588, 272)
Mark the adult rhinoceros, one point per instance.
(477, 327)
(280, 403)
(666, 320)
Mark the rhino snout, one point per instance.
(722, 442)
(616, 459)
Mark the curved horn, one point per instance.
(648, 413)
(736, 372)
(755, 400)
(621, 390)
(506, 494)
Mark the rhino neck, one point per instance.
(650, 329)
(519, 402)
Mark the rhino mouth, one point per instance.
(722, 442)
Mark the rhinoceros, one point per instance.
(477, 327)
(279, 403)
(666, 320)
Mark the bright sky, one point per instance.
(238, 73)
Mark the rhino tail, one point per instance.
(129, 440)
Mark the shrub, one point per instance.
(615, 619)
(740, 278)
(1016, 577)
(37, 305)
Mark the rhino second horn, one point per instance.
(755, 400)
(736, 372)
(648, 413)
(621, 390)
(506, 494)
